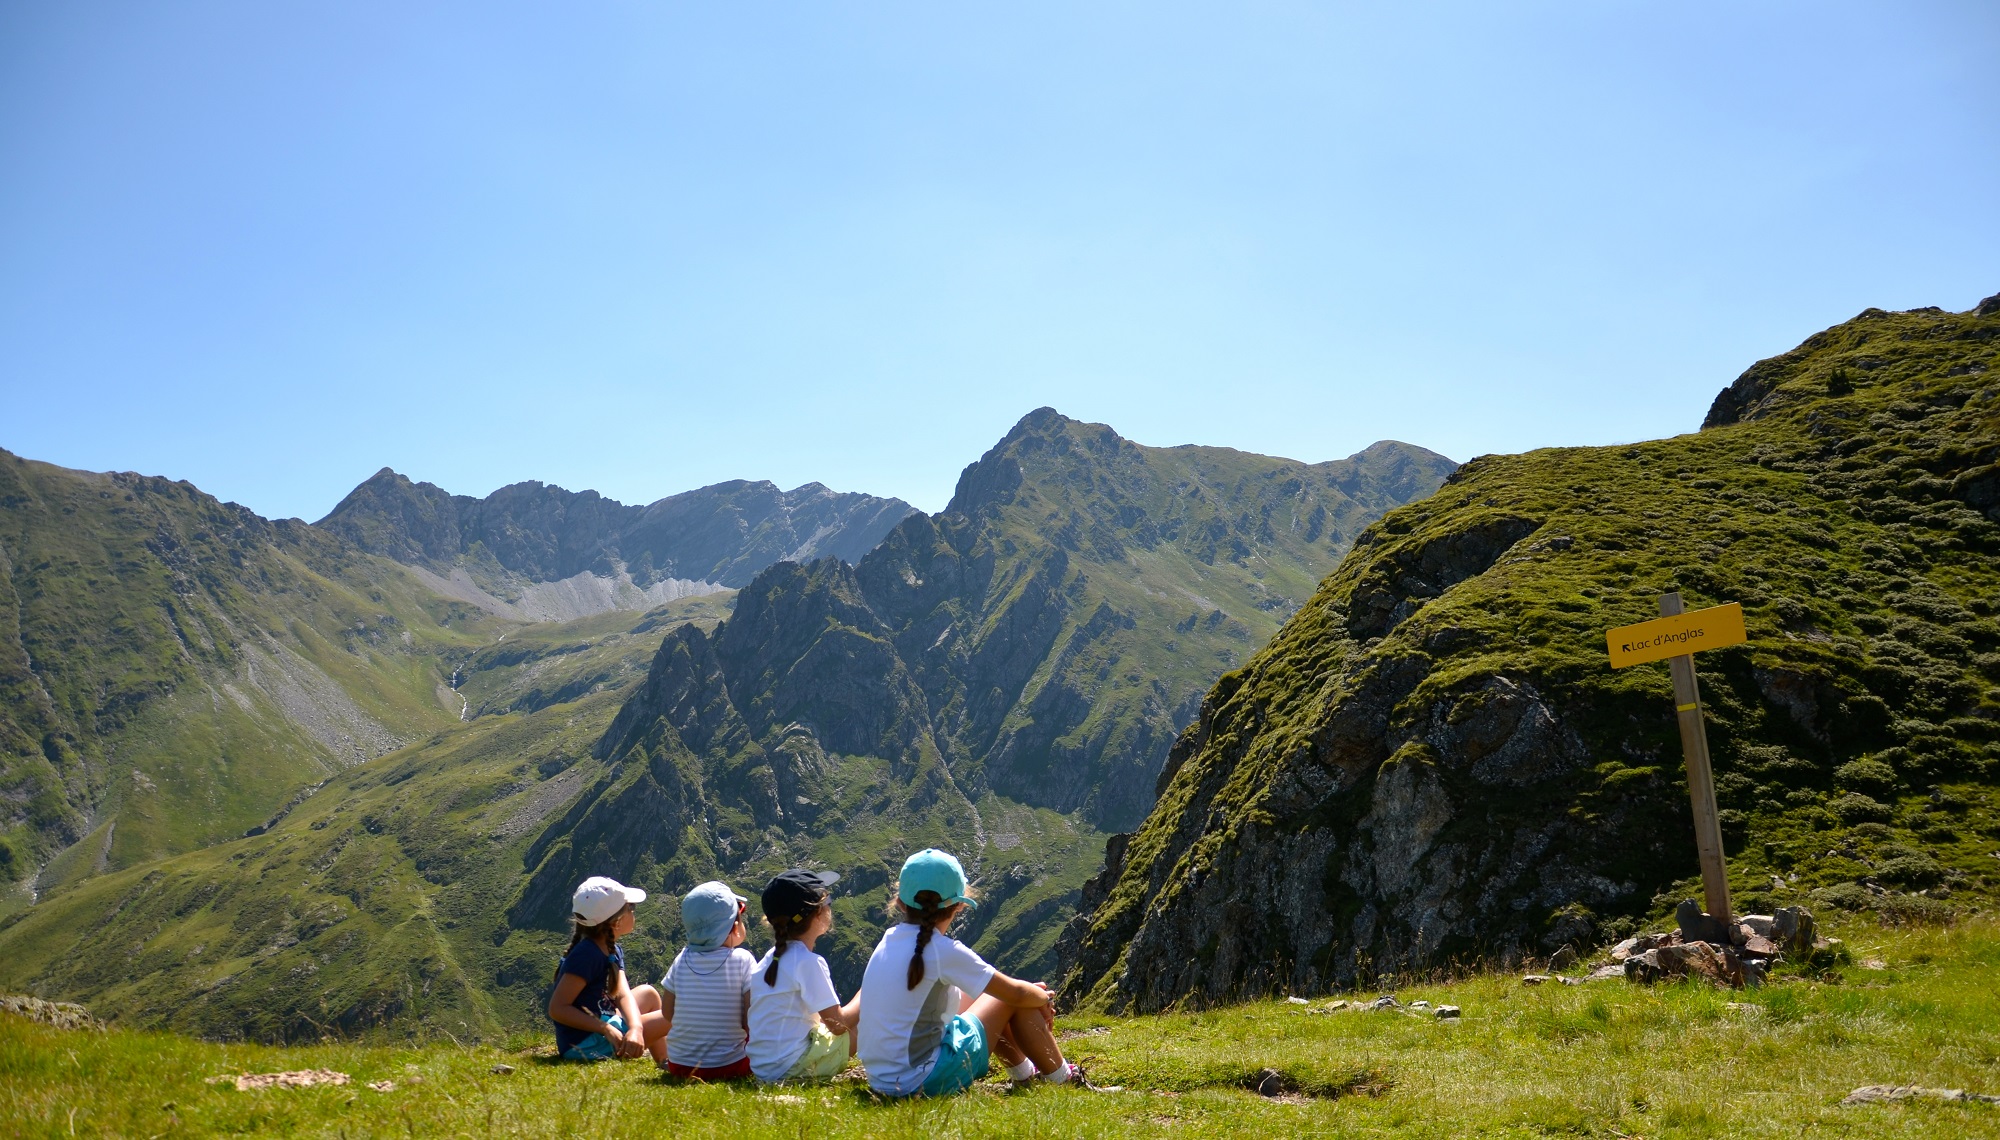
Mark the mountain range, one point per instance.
(1433, 763)
(341, 776)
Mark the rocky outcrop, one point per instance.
(1433, 763)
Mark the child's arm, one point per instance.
(563, 1011)
(843, 1018)
(1020, 994)
(632, 1042)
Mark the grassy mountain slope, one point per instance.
(380, 897)
(1434, 761)
(174, 668)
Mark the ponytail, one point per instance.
(787, 929)
(925, 914)
(599, 933)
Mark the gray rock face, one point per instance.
(723, 533)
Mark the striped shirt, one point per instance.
(710, 989)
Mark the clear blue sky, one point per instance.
(641, 247)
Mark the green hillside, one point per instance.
(1434, 755)
(381, 896)
(173, 669)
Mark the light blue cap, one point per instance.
(932, 870)
(707, 913)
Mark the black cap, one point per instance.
(795, 892)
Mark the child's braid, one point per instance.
(786, 929)
(925, 915)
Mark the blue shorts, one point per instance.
(961, 1059)
(597, 1047)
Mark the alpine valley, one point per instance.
(274, 780)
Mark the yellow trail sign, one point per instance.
(1676, 636)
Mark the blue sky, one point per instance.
(642, 247)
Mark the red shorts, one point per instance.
(740, 1071)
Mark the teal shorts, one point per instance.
(597, 1047)
(962, 1057)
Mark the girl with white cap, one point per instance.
(597, 1015)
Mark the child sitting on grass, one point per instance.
(597, 1015)
(922, 1029)
(705, 997)
(799, 1031)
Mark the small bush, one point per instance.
(1846, 896)
(1913, 910)
(1867, 775)
(1857, 808)
(1911, 871)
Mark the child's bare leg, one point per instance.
(1034, 1037)
(997, 1016)
(653, 1023)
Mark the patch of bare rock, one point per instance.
(60, 1014)
(1884, 1094)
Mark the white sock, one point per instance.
(1021, 1072)
(1061, 1074)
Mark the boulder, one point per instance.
(1697, 925)
(1792, 928)
(1691, 959)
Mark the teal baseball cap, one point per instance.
(932, 870)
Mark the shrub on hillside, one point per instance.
(1857, 808)
(1867, 775)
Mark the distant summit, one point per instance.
(533, 532)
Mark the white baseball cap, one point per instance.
(600, 898)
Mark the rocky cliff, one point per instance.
(1433, 763)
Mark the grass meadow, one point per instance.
(1914, 1006)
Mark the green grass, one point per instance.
(1605, 1060)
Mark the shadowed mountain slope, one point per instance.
(1433, 760)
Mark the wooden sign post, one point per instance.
(1675, 637)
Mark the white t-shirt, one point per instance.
(781, 1015)
(708, 988)
(900, 1027)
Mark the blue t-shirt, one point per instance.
(587, 960)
